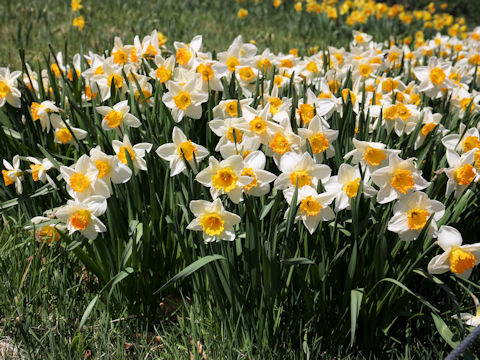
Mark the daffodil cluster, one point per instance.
(320, 129)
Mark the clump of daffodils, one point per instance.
(325, 132)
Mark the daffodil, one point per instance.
(184, 100)
(228, 130)
(110, 168)
(434, 78)
(411, 214)
(312, 207)
(213, 220)
(39, 169)
(180, 151)
(257, 123)
(469, 319)
(43, 112)
(459, 259)
(9, 92)
(13, 174)
(320, 138)
(82, 216)
(463, 142)
(254, 166)
(64, 135)
(397, 179)
(461, 172)
(300, 170)
(82, 179)
(346, 185)
(118, 117)
(225, 177)
(374, 155)
(135, 152)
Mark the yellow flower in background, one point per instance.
(242, 13)
(277, 3)
(77, 5)
(79, 22)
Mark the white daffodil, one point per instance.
(229, 108)
(254, 165)
(225, 178)
(248, 144)
(164, 69)
(320, 138)
(237, 51)
(211, 72)
(256, 122)
(374, 155)
(212, 219)
(117, 117)
(463, 142)
(39, 169)
(313, 208)
(459, 259)
(430, 122)
(282, 142)
(397, 179)
(469, 319)
(411, 213)
(228, 130)
(434, 78)
(82, 179)
(181, 150)
(64, 135)
(83, 216)
(302, 169)
(45, 230)
(43, 112)
(461, 172)
(186, 53)
(345, 185)
(8, 88)
(13, 174)
(403, 118)
(184, 100)
(136, 153)
(110, 168)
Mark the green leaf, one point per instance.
(444, 331)
(356, 296)
(298, 261)
(87, 312)
(190, 269)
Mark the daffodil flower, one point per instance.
(184, 100)
(136, 153)
(320, 137)
(82, 179)
(225, 177)
(397, 179)
(345, 185)
(373, 155)
(13, 174)
(461, 172)
(110, 168)
(469, 319)
(411, 213)
(313, 208)
(83, 215)
(181, 150)
(301, 170)
(213, 220)
(39, 169)
(459, 259)
(8, 88)
(117, 117)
